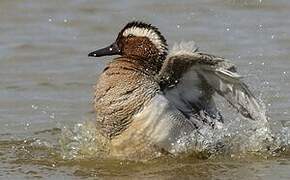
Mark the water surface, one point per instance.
(47, 79)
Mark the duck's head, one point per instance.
(137, 40)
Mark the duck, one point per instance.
(149, 97)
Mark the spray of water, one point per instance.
(237, 137)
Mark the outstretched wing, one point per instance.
(189, 79)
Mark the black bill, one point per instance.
(107, 51)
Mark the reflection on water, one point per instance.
(46, 119)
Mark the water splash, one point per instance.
(237, 137)
(82, 141)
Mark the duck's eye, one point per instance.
(130, 35)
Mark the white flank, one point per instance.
(149, 33)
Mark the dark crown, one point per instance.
(138, 28)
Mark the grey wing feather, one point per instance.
(229, 85)
(205, 73)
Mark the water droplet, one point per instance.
(34, 107)
(52, 116)
(26, 126)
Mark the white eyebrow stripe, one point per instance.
(149, 33)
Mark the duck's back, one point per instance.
(121, 91)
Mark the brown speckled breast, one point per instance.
(121, 91)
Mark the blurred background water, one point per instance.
(46, 79)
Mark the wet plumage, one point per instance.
(149, 98)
